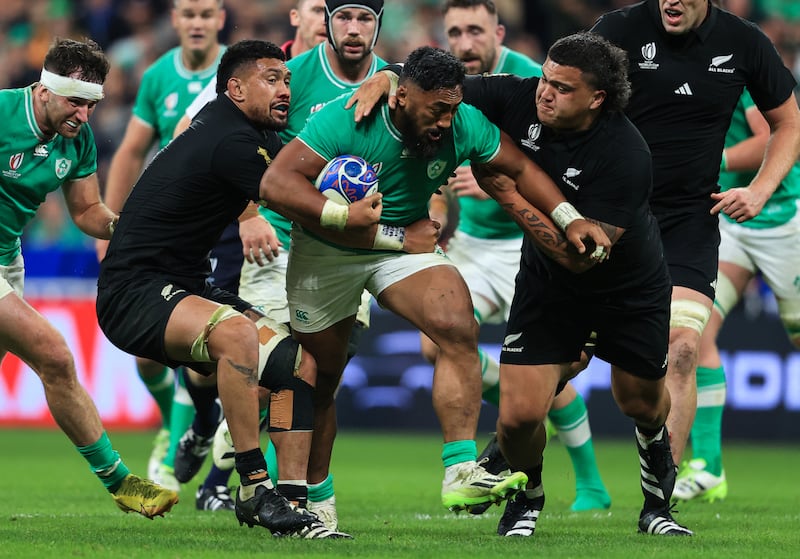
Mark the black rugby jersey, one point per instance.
(191, 191)
(685, 89)
(605, 172)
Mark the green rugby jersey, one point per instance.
(167, 89)
(782, 205)
(313, 85)
(31, 166)
(485, 219)
(406, 181)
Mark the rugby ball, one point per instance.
(346, 179)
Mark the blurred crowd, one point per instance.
(135, 32)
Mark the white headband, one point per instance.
(71, 87)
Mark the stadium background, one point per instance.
(387, 386)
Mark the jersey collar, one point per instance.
(31, 117)
(331, 75)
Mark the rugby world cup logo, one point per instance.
(15, 161)
(649, 54)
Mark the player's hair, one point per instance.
(242, 54)
(67, 56)
(432, 68)
(488, 4)
(603, 65)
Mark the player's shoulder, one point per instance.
(628, 19)
(166, 60)
(514, 62)
(12, 97)
(306, 59)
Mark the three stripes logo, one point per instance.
(684, 89)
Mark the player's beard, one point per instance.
(424, 147)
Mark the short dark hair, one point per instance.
(67, 56)
(603, 65)
(432, 68)
(242, 54)
(488, 4)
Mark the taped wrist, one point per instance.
(389, 237)
(334, 216)
(564, 214)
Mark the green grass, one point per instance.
(388, 495)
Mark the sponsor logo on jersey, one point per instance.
(510, 339)
(649, 54)
(718, 61)
(436, 168)
(40, 151)
(170, 291)
(316, 107)
(14, 163)
(569, 174)
(684, 89)
(534, 130)
(195, 87)
(62, 167)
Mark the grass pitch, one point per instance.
(387, 487)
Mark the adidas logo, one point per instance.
(684, 90)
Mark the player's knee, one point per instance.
(519, 415)
(511, 420)
(238, 331)
(454, 333)
(686, 314)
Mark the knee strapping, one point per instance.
(689, 314)
(726, 295)
(291, 398)
(199, 350)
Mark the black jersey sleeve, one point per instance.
(771, 83)
(241, 159)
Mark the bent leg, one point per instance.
(437, 302)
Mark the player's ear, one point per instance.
(500, 33)
(235, 89)
(597, 99)
(401, 94)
